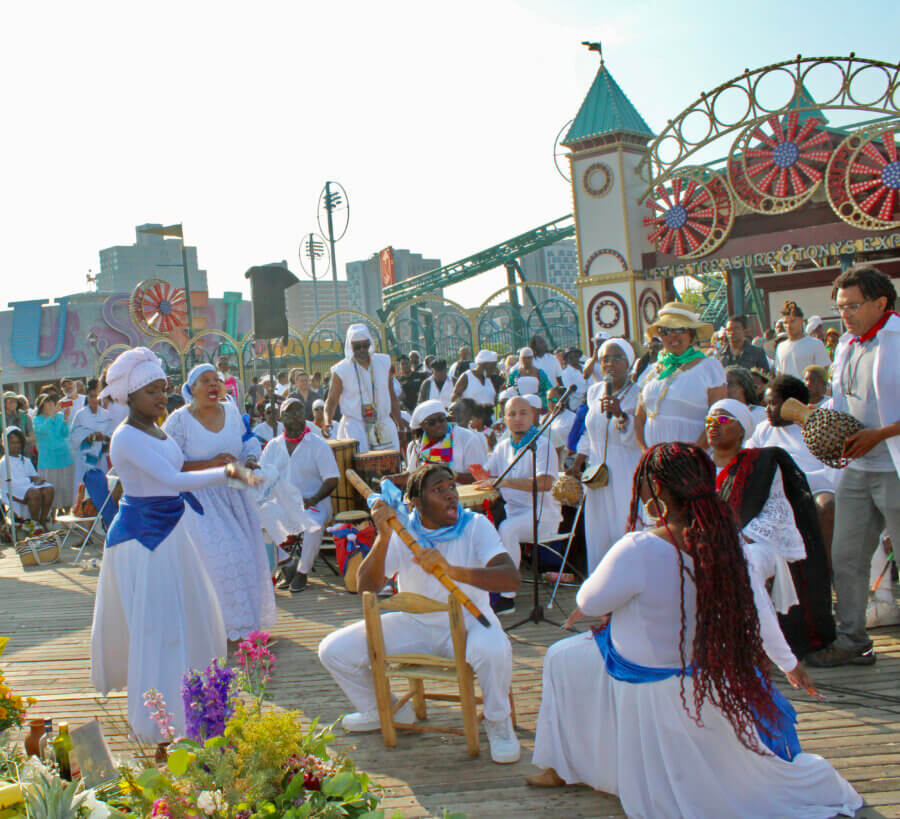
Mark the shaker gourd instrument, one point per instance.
(825, 432)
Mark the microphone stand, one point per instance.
(536, 615)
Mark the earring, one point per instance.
(661, 513)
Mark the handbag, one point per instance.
(596, 476)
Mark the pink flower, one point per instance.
(161, 809)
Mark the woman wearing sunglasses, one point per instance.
(684, 383)
(780, 532)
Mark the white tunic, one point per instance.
(676, 406)
(444, 393)
(84, 424)
(467, 450)
(636, 740)
(549, 363)
(365, 385)
(483, 394)
(21, 470)
(156, 615)
(606, 508)
(230, 533)
(821, 478)
(518, 501)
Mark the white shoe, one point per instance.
(503, 740)
(882, 613)
(358, 723)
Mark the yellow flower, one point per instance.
(2, 713)
(16, 701)
(31, 701)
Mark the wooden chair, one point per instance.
(416, 668)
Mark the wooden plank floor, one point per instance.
(47, 612)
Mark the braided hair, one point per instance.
(729, 666)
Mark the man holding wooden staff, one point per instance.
(466, 546)
(866, 383)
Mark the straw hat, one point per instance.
(676, 315)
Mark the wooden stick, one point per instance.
(365, 490)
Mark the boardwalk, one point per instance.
(47, 614)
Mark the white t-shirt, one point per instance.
(311, 464)
(478, 544)
(821, 478)
(793, 357)
(264, 430)
(519, 499)
(549, 363)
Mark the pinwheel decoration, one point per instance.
(692, 215)
(158, 308)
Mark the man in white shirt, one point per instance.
(71, 400)
(794, 355)
(516, 487)
(571, 375)
(546, 360)
(313, 470)
(465, 545)
(866, 383)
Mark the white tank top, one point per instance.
(478, 392)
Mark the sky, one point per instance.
(438, 119)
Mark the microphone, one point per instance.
(607, 392)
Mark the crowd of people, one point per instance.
(713, 537)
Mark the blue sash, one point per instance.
(780, 738)
(149, 520)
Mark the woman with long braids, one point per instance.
(669, 705)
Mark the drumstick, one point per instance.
(365, 490)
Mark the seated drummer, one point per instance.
(467, 547)
(438, 441)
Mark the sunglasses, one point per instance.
(721, 420)
(432, 420)
(664, 331)
(360, 345)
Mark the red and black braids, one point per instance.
(727, 654)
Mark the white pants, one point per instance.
(345, 654)
(516, 529)
(312, 540)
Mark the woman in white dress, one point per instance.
(609, 438)
(29, 495)
(156, 616)
(477, 383)
(683, 384)
(91, 429)
(211, 433)
(668, 707)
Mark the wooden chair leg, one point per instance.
(467, 704)
(418, 689)
(377, 654)
(512, 709)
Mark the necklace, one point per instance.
(850, 371)
(667, 383)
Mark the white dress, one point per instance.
(361, 385)
(84, 424)
(21, 471)
(821, 478)
(636, 740)
(156, 615)
(481, 393)
(606, 508)
(676, 406)
(229, 534)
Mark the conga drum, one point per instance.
(475, 499)
(374, 465)
(344, 497)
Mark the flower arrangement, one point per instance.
(207, 701)
(13, 707)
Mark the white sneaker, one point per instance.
(359, 722)
(882, 613)
(504, 743)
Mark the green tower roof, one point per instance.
(803, 99)
(605, 110)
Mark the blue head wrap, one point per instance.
(193, 375)
(392, 496)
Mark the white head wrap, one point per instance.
(813, 324)
(318, 403)
(509, 392)
(192, 377)
(622, 344)
(526, 352)
(738, 411)
(535, 401)
(425, 410)
(356, 332)
(132, 370)
(485, 357)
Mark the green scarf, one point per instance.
(669, 363)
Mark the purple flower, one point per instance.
(207, 701)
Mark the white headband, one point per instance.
(622, 344)
(132, 370)
(425, 410)
(486, 357)
(738, 411)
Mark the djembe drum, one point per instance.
(825, 432)
(376, 464)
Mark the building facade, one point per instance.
(364, 277)
(122, 267)
(556, 265)
(302, 298)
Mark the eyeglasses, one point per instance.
(664, 331)
(721, 420)
(849, 309)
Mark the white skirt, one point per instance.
(230, 540)
(637, 741)
(156, 617)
